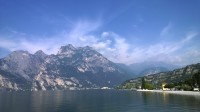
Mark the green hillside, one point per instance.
(185, 78)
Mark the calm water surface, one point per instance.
(96, 101)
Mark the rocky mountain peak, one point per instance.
(18, 54)
(68, 49)
(70, 68)
(40, 53)
(86, 48)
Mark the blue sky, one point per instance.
(125, 31)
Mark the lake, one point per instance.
(96, 101)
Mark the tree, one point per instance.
(148, 86)
(143, 83)
(196, 79)
(186, 87)
(129, 86)
(189, 82)
(169, 86)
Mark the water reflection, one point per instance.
(95, 101)
(173, 102)
(46, 100)
(79, 101)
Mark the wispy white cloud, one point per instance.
(111, 45)
(166, 29)
(189, 36)
(123, 51)
(6, 43)
(78, 36)
(105, 34)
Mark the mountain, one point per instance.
(70, 68)
(156, 80)
(146, 68)
(126, 68)
(153, 70)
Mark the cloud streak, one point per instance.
(166, 29)
(111, 45)
(78, 36)
(189, 36)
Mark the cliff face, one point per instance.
(70, 68)
(177, 75)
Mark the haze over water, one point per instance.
(96, 101)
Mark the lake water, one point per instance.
(96, 101)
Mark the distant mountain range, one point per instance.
(70, 68)
(147, 68)
(170, 77)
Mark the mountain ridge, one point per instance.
(70, 68)
(147, 68)
(170, 77)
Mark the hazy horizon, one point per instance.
(129, 31)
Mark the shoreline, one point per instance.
(173, 92)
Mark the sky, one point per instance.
(124, 31)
